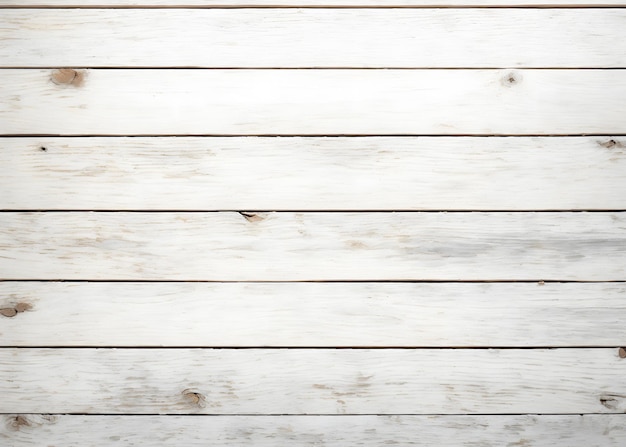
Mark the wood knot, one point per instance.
(610, 144)
(13, 311)
(251, 217)
(16, 422)
(511, 79)
(195, 398)
(622, 353)
(609, 402)
(68, 76)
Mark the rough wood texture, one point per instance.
(306, 431)
(229, 246)
(309, 102)
(312, 314)
(402, 38)
(313, 173)
(306, 3)
(312, 381)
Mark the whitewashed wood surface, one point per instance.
(412, 38)
(329, 431)
(313, 173)
(312, 381)
(189, 121)
(312, 314)
(308, 3)
(229, 246)
(311, 102)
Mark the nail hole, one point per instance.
(43, 148)
(510, 79)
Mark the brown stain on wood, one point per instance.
(10, 312)
(17, 422)
(195, 398)
(68, 76)
(622, 353)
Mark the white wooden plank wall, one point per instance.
(313, 222)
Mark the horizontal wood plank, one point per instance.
(305, 3)
(400, 38)
(312, 381)
(311, 102)
(313, 173)
(312, 314)
(229, 246)
(305, 431)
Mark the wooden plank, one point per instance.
(305, 431)
(305, 3)
(216, 38)
(310, 102)
(228, 246)
(312, 381)
(302, 173)
(313, 314)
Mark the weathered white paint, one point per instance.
(313, 173)
(312, 381)
(313, 314)
(411, 38)
(307, 3)
(367, 102)
(305, 431)
(228, 246)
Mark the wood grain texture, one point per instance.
(400, 38)
(228, 246)
(305, 3)
(311, 102)
(305, 431)
(313, 173)
(312, 381)
(313, 314)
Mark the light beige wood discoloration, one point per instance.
(225, 246)
(329, 431)
(340, 38)
(314, 102)
(316, 314)
(312, 381)
(313, 173)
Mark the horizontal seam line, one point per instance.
(270, 6)
(308, 68)
(307, 414)
(326, 281)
